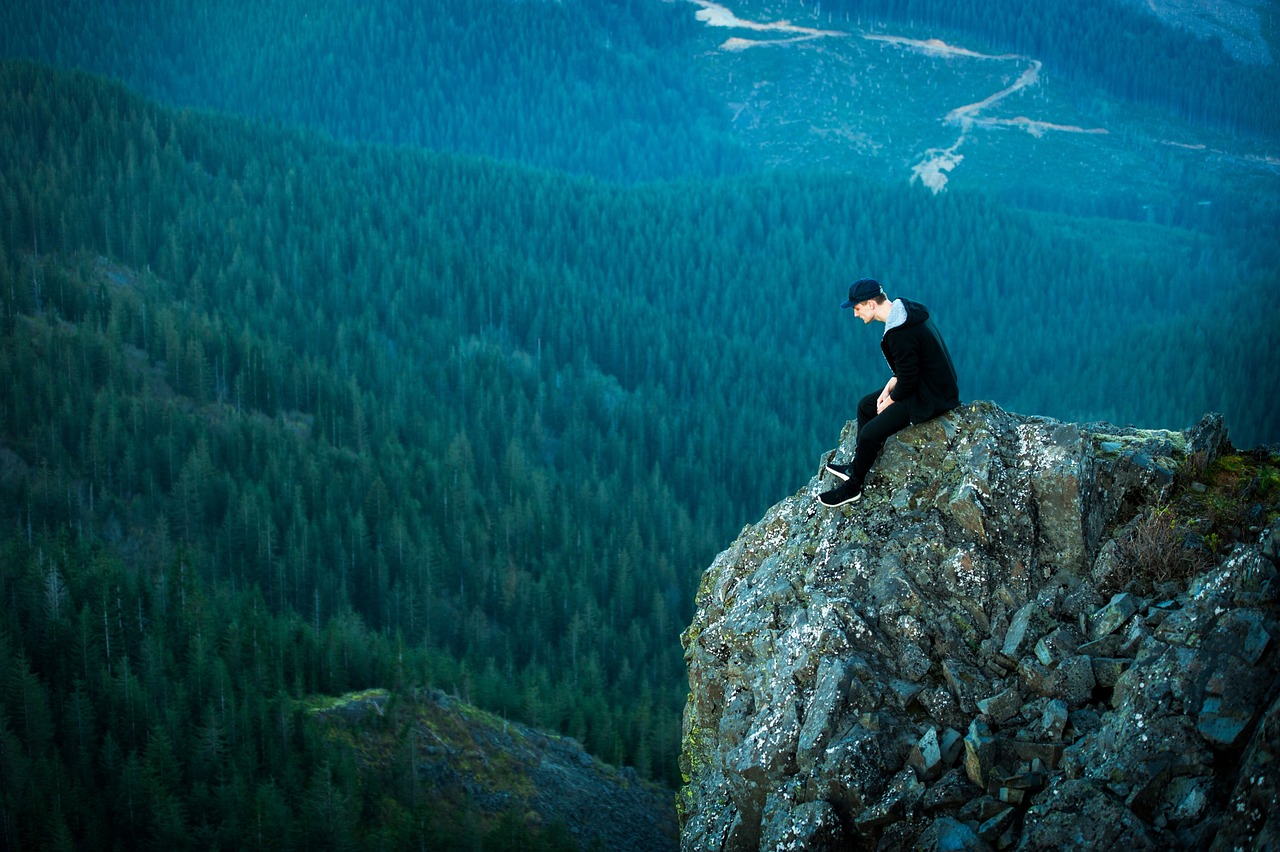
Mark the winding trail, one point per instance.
(716, 15)
(932, 168)
(934, 163)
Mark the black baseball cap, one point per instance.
(861, 290)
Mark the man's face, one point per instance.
(864, 311)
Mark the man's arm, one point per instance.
(906, 365)
(885, 399)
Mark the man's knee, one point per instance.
(884, 425)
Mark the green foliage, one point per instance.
(157, 745)
(1155, 550)
(1212, 507)
(1239, 493)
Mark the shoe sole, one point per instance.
(854, 499)
(843, 477)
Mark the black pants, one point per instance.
(873, 430)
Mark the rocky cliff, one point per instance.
(1029, 634)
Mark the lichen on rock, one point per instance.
(936, 665)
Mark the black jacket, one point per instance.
(918, 356)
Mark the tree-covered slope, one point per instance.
(583, 87)
(1093, 108)
(1115, 46)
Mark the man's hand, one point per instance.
(884, 400)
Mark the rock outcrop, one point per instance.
(487, 770)
(952, 663)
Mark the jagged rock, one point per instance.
(1110, 618)
(998, 827)
(1110, 562)
(980, 809)
(1105, 646)
(811, 826)
(1001, 706)
(1270, 543)
(1048, 753)
(903, 692)
(1029, 623)
(1073, 681)
(913, 662)
(1076, 814)
(833, 680)
(950, 835)
(1253, 804)
(1056, 646)
(1209, 436)
(1135, 637)
(1083, 598)
(942, 706)
(965, 681)
(900, 797)
(1085, 721)
(1053, 721)
(951, 790)
(1242, 633)
(1107, 670)
(1035, 676)
(1184, 800)
(1032, 779)
(1011, 795)
(926, 756)
(952, 746)
(979, 752)
(1222, 724)
(835, 657)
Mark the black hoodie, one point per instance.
(919, 358)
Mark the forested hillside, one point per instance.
(584, 87)
(1114, 46)
(611, 88)
(285, 415)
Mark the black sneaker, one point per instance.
(849, 492)
(839, 471)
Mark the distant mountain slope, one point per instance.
(1088, 108)
(587, 87)
(652, 90)
(1238, 24)
(1115, 45)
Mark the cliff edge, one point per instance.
(1029, 634)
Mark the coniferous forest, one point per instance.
(455, 369)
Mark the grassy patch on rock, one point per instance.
(1213, 506)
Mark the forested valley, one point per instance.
(284, 414)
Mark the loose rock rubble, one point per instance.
(936, 668)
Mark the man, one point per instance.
(923, 384)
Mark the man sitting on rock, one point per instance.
(923, 384)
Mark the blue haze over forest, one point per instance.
(400, 344)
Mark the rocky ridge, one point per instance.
(486, 770)
(992, 650)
